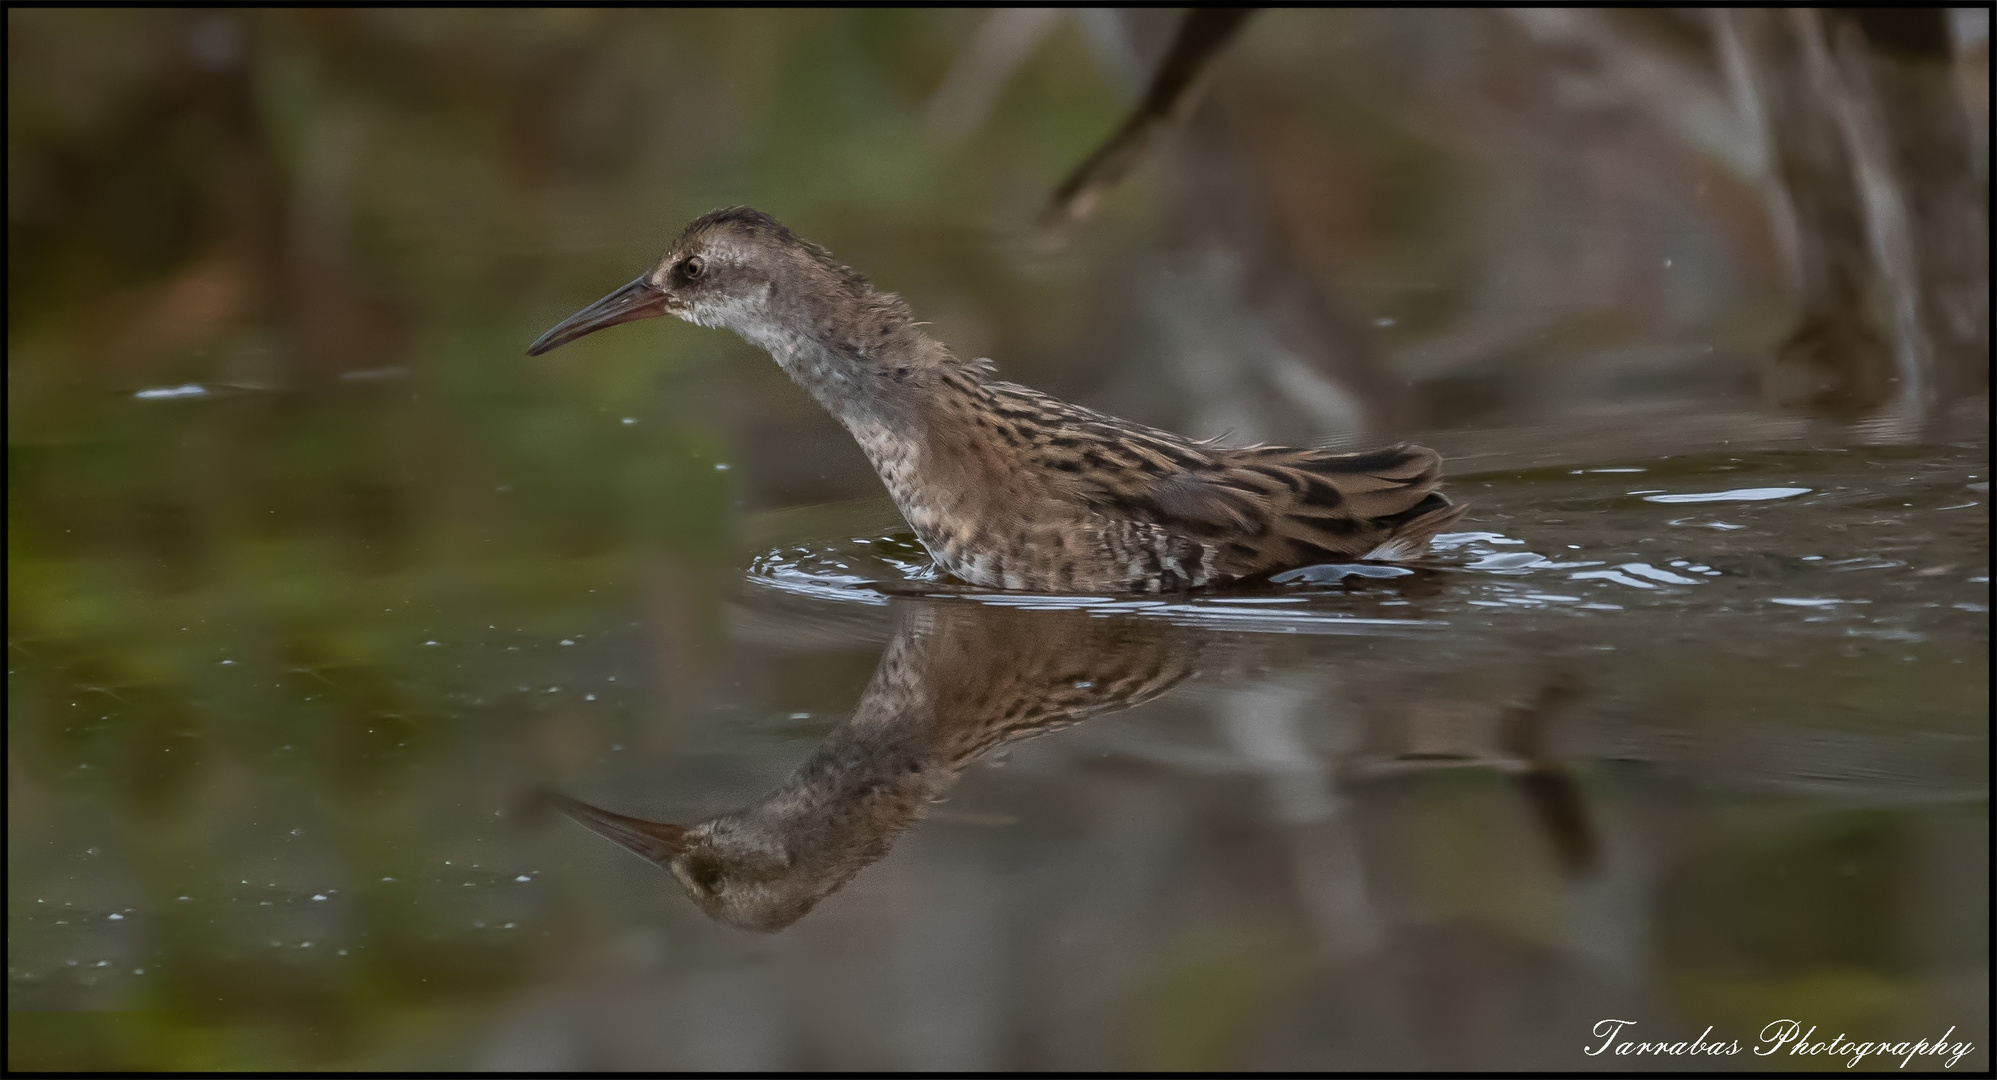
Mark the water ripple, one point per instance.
(1762, 494)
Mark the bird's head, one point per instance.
(737, 868)
(742, 270)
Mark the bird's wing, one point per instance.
(1262, 507)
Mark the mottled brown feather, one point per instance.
(1259, 508)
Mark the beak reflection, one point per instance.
(657, 841)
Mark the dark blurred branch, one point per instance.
(1170, 97)
(1249, 335)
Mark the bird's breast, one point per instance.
(941, 501)
(996, 529)
(898, 460)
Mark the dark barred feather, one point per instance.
(1259, 508)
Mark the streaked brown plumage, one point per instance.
(957, 681)
(1008, 487)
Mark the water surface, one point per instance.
(1687, 740)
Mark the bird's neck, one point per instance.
(903, 397)
(887, 387)
(858, 377)
(866, 782)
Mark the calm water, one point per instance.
(1688, 741)
(322, 597)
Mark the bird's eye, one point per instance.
(692, 267)
(706, 874)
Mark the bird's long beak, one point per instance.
(639, 300)
(656, 841)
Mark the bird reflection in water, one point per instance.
(958, 680)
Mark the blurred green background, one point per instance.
(307, 562)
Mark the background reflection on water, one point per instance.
(314, 580)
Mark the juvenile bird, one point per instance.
(1005, 486)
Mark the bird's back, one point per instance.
(1151, 511)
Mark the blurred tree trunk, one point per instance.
(1902, 59)
(1854, 121)
(1873, 190)
(1833, 362)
